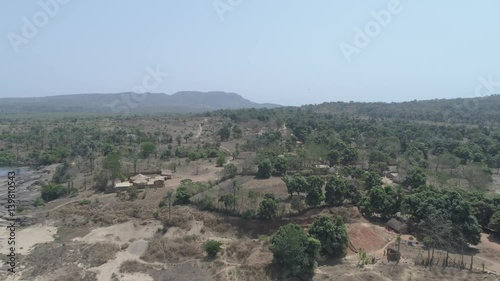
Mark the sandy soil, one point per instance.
(121, 233)
(133, 232)
(28, 237)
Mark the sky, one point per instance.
(289, 52)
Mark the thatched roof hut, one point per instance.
(139, 177)
(166, 174)
(397, 226)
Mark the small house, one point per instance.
(397, 226)
(393, 255)
(140, 183)
(166, 174)
(122, 186)
(139, 177)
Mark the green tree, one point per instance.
(52, 191)
(297, 183)
(225, 132)
(447, 161)
(168, 197)
(415, 178)
(230, 171)
(336, 191)
(372, 179)
(147, 148)
(112, 166)
(478, 176)
(332, 234)
(212, 247)
(182, 196)
(384, 201)
(265, 169)
(280, 166)
(221, 160)
(296, 252)
(237, 132)
(268, 207)
(464, 153)
(495, 222)
(315, 195)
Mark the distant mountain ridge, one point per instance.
(180, 102)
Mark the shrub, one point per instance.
(265, 169)
(230, 171)
(182, 196)
(212, 247)
(248, 214)
(52, 191)
(221, 160)
(133, 193)
(38, 202)
(85, 202)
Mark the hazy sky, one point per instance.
(289, 52)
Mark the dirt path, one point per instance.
(200, 129)
(78, 200)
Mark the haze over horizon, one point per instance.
(283, 52)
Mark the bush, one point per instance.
(133, 193)
(212, 247)
(188, 189)
(265, 169)
(182, 196)
(85, 202)
(52, 191)
(230, 171)
(248, 214)
(62, 175)
(221, 160)
(38, 202)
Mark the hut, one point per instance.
(393, 255)
(156, 182)
(140, 183)
(159, 181)
(139, 177)
(397, 226)
(119, 187)
(166, 174)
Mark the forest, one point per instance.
(428, 164)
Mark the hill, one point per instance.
(477, 111)
(180, 102)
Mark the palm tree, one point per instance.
(169, 196)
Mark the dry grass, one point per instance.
(173, 250)
(132, 266)
(56, 255)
